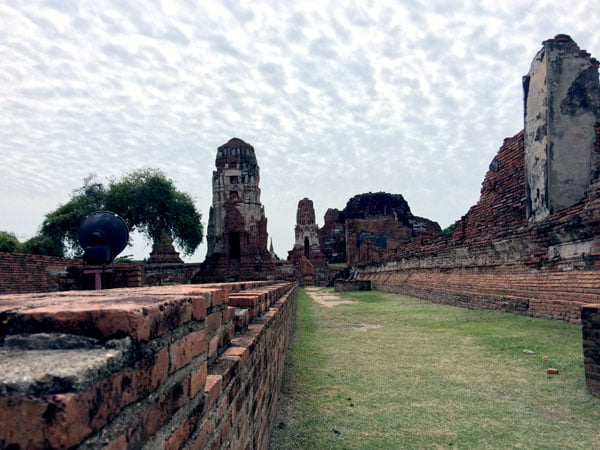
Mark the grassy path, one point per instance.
(391, 371)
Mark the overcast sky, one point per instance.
(337, 98)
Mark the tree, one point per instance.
(9, 242)
(42, 245)
(149, 201)
(60, 226)
(146, 199)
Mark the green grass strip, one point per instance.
(393, 371)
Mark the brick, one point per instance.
(213, 346)
(213, 322)
(228, 314)
(206, 430)
(212, 389)
(198, 379)
(185, 349)
(240, 352)
(199, 305)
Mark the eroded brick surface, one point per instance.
(165, 390)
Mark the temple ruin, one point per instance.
(190, 366)
(306, 256)
(562, 105)
(237, 226)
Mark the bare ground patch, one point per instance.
(326, 298)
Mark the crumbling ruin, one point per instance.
(237, 226)
(562, 105)
(531, 243)
(306, 256)
(370, 227)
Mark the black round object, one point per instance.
(103, 229)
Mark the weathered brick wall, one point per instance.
(590, 321)
(552, 295)
(158, 366)
(31, 273)
(21, 273)
(165, 274)
(496, 259)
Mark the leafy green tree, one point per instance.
(42, 245)
(60, 226)
(146, 199)
(9, 242)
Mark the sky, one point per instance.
(338, 98)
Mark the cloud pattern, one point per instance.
(406, 97)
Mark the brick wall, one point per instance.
(590, 321)
(496, 259)
(31, 273)
(165, 274)
(158, 366)
(21, 273)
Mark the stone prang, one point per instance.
(237, 226)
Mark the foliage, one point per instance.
(146, 199)
(450, 228)
(60, 226)
(391, 371)
(9, 242)
(42, 245)
(128, 259)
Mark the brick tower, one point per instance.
(307, 250)
(237, 227)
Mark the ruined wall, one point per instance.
(371, 226)
(332, 237)
(164, 274)
(20, 273)
(157, 367)
(31, 273)
(237, 226)
(306, 256)
(590, 324)
(496, 258)
(562, 105)
(374, 238)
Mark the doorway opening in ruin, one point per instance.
(306, 248)
(234, 245)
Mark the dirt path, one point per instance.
(327, 299)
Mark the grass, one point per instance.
(433, 376)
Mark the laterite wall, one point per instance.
(163, 367)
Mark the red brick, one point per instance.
(212, 389)
(213, 321)
(199, 305)
(207, 430)
(198, 379)
(240, 352)
(228, 314)
(185, 349)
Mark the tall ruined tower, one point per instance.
(307, 250)
(562, 107)
(237, 226)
